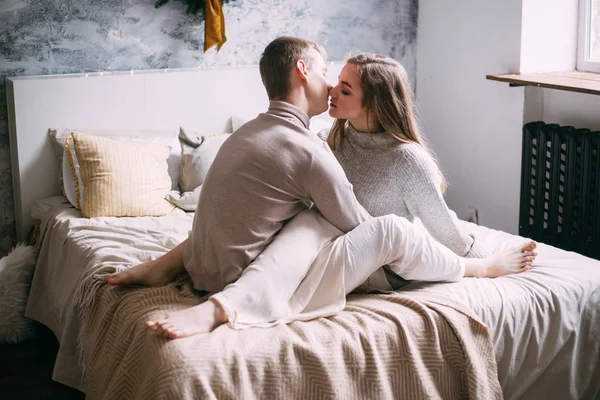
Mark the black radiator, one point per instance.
(560, 187)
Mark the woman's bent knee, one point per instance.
(394, 223)
(395, 228)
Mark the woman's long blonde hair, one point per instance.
(388, 95)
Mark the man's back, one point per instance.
(268, 171)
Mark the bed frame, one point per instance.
(203, 99)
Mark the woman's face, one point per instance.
(346, 96)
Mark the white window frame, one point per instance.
(583, 45)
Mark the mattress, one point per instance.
(544, 323)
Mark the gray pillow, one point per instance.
(197, 154)
(187, 201)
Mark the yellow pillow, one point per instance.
(122, 179)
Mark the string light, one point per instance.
(208, 66)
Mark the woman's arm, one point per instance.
(419, 186)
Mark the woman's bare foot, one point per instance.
(150, 273)
(202, 318)
(511, 261)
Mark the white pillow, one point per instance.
(237, 121)
(66, 178)
(197, 154)
(69, 181)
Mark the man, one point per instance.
(268, 171)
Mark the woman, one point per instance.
(310, 266)
(377, 141)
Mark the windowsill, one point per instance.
(572, 81)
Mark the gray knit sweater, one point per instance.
(390, 177)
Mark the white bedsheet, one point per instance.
(545, 323)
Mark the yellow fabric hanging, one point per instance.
(214, 25)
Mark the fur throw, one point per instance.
(16, 272)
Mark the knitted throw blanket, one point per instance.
(381, 346)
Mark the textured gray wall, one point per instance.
(39, 37)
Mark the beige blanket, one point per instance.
(382, 346)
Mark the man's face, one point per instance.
(318, 89)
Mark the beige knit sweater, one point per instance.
(264, 174)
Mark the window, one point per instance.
(588, 49)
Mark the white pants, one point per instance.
(310, 266)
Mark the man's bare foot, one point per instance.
(157, 272)
(203, 318)
(511, 261)
(150, 273)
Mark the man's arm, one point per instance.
(330, 190)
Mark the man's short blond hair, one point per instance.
(278, 59)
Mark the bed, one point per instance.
(532, 336)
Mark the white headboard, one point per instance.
(201, 99)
